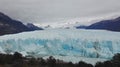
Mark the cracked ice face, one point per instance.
(64, 42)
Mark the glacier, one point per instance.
(63, 42)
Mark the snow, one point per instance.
(72, 23)
(1, 50)
(98, 44)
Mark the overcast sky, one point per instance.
(57, 10)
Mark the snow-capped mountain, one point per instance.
(63, 42)
(33, 27)
(76, 22)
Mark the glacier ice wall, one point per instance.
(65, 42)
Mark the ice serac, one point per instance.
(63, 42)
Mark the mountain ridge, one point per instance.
(111, 25)
(11, 26)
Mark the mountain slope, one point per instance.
(113, 25)
(10, 26)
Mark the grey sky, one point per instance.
(57, 10)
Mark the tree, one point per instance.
(51, 61)
(17, 56)
(116, 60)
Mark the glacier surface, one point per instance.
(63, 42)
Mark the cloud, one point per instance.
(53, 10)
